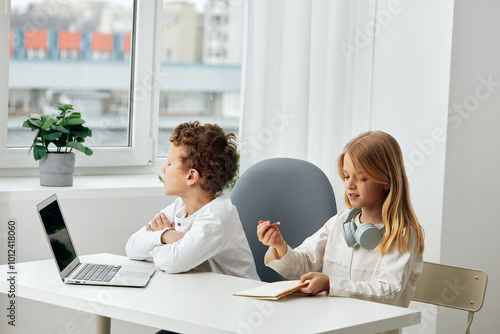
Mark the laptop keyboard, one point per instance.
(97, 272)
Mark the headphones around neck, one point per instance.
(367, 235)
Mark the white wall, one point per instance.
(472, 178)
(409, 100)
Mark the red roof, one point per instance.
(35, 39)
(68, 40)
(102, 42)
(126, 43)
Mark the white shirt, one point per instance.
(389, 278)
(214, 241)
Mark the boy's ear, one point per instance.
(192, 177)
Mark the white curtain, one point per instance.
(306, 79)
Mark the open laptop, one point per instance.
(70, 268)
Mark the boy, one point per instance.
(201, 229)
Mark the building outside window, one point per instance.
(59, 52)
(194, 83)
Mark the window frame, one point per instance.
(144, 101)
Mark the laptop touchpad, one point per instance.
(134, 274)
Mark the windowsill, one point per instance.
(93, 186)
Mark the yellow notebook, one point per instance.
(272, 291)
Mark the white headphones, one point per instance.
(367, 235)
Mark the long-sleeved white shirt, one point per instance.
(389, 278)
(214, 241)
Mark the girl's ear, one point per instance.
(387, 186)
(192, 177)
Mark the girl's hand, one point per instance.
(319, 282)
(270, 235)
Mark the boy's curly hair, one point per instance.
(210, 150)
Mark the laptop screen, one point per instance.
(56, 230)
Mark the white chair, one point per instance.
(454, 287)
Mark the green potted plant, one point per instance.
(65, 131)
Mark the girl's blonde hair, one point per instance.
(379, 156)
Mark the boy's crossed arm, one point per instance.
(160, 222)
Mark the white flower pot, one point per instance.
(56, 169)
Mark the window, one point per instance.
(131, 89)
(81, 60)
(59, 55)
(198, 81)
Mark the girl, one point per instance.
(372, 168)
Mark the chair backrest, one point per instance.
(292, 191)
(454, 287)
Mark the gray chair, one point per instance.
(454, 287)
(292, 191)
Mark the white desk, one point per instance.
(203, 303)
